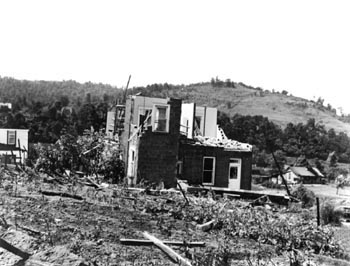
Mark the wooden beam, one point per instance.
(206, 226)
(61, 194)
(6, 245)
(183, 192)
(142, 242)
(167, 250)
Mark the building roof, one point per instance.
(306, 171)
(17, 129)
(227, 144)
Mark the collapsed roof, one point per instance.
(227, 144)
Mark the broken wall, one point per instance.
(187, 119)
(207, 120)
(158, 151)
(133, 106)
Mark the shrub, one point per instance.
(91, 152)
(330, 215)
(306, 196)
(271, 184)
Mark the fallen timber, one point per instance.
(142, 242)
(167, 250)
(244, 194)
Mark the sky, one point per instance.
(299, 46)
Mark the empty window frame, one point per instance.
(161, 118)
(145, 116)
(11, 137)
(208, 170)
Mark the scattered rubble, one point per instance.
(227, 144)
(103, 226)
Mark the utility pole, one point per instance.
(281, 173)
(270, 145)
(126, 89)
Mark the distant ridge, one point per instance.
(229, 97)
(238, 98)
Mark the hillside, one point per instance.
(279, 108)
(232, 98)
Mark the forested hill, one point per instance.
(40, 100)
(238, 98)
(22, 93)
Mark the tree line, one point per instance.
(311, 139)
(49, 109)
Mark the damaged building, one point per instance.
(164, 140)
(13, 145)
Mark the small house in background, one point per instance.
(302, 174)
(13, 145)
(164, 139)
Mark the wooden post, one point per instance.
(20, 153)
(13, 155)
(318, 211)
(281, 173)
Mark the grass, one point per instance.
(279, 108)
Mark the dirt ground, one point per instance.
(66, 231)
(60, 230)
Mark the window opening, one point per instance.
(161, 118)
(11, 137)
(208, 170)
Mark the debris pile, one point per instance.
(227, 144)
(77, 223)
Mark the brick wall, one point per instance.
(192, 157)
(158, 152)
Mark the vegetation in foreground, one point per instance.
(91, 227)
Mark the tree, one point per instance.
(333, 160)
(64, 100)
(320, 101)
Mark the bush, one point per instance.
(89, 152)
(111, 167)
(306, 196)
(271, 184)
(330, 215)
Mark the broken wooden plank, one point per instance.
(169, 251)
(245, 194)
(142, 242)
(51, 180)
(33, 262)
(231, 196)
(183, 192)
(6, 245)
(61, 194)
(206, 226)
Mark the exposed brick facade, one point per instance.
(192, 158)
(158, 152)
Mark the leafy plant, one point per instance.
(306, 196)
(90, 153)
(330, 215)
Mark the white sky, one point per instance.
(300, 46)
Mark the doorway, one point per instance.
(234, 173)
